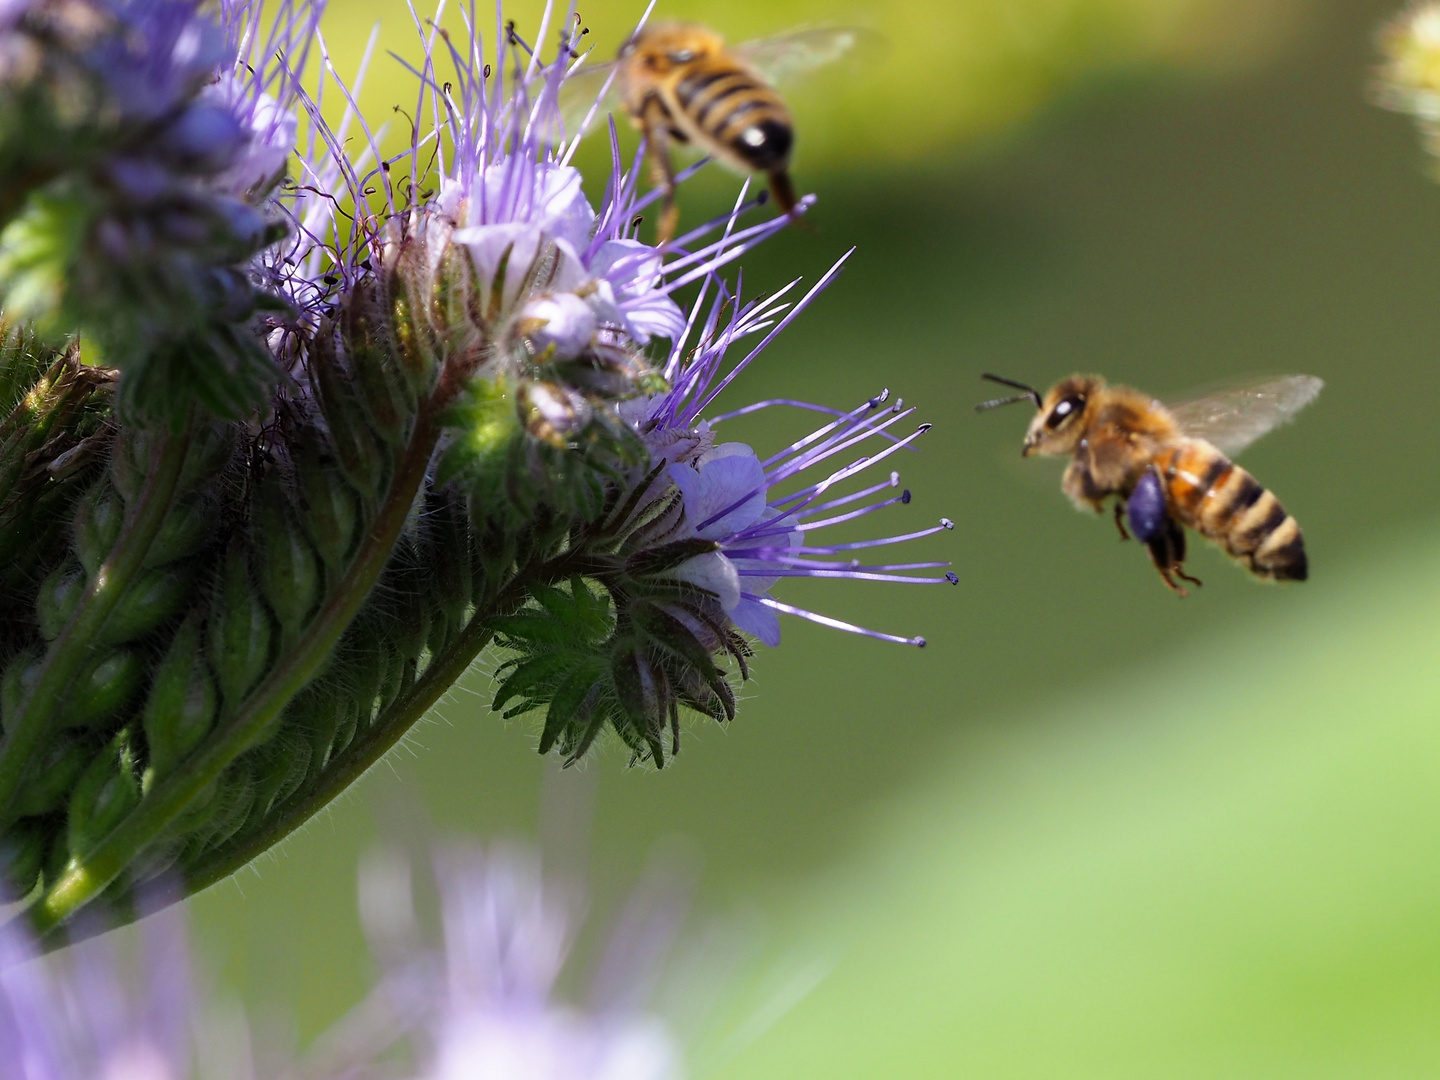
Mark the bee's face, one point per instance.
(1060, 423)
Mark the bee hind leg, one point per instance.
(662, 170)
(1120, 519)
(1167, 552)
(786, 201)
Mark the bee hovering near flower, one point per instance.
(679, 82)
(1167, 467)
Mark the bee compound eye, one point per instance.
(1064, 411)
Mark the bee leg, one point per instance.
(783, 192)
(1167, 552)
(662, 170)
(1120, 519)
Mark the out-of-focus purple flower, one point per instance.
(765, 515)
(487, 1004)
(82, 1015)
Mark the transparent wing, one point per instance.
(579, 93)
(1234, 416)
(795, 52)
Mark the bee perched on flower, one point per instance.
(360, 415)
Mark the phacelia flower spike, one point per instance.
(370, 410)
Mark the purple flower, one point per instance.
(486, 1003)
(83, 1016)
(765, 515)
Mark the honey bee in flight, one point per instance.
(680, 83)
(1168, 468)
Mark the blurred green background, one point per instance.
(1091, 830)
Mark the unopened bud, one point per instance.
(328, 509)
(130, 459)
(98, 517)
(107, 790)
(183, 703)
(388, 396)
(183, 531)
(59, 596)
(239, 629)
(360, 457)
(287, 567)
(228, 809)
(22, 857)
(15, 686)
(59, 766)
(104, 687)
(155, 596)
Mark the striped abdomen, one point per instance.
(1221, 501)
(736, 112)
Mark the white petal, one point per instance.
(714, 572)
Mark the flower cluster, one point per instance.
(370, 411)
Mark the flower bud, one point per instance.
(60, 764)
(155, 597)
(130, 459)
(211, 448)
(288, 570)
(20, 676)
(327, 502)
(104, 687)
(182, 533)
(388, 396)
(22, 857)
(59, 596)
(107, 790)
(361, 459)
(182, 704)
(98, 517)
(239, 629)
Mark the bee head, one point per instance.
(1060, 421)
(665, 46)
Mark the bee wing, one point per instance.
(1235, 416)
(581, 91)
(786, 55)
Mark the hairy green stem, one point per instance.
(88, 875)
(68, 652)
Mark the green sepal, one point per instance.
(666, 557)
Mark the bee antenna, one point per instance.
(1030, 394)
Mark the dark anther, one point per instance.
(952, 577)
(905, 497)
(485, 73)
